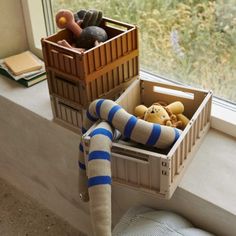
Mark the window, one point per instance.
(190, 41)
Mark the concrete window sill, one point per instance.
(205, 192)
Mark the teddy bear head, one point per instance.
(156, 114)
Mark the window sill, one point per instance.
(223, 119)
(35, 98)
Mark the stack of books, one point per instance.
(25, 68)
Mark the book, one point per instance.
(27, 80)
(23, 63)
(33, 81)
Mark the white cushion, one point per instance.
(143, 221)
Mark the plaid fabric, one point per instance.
(144, 221)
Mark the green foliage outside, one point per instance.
(192, 41)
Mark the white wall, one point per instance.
(12, 28)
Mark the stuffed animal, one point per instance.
(85, 38)
(86, 18)
(169, 115)
(95, 172)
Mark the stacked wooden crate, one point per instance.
(108, 71)
(75, 79)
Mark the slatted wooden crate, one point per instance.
(102, 71)
(150, 170)
(67, 114)
(60, 86)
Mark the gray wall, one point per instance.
(12, 28)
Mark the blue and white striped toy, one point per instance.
(95, 173)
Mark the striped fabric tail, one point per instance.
(88, 121)
(131, 127)
(98, 166)
(99, 178)
(83, 180)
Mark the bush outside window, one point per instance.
(189, 41)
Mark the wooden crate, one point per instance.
(150, 170)
(72, 91)
(101, 71)
(67, 114)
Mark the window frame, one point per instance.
(33, 16)
(223, 117)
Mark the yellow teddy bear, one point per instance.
(170, 115)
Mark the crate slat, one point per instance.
(120, 74)
(120, 169)
(67, 64)
(129, 41)
(115, 77)
(94, 89)
(125, 71)
(91, 63)
(144, 176)
(185, 147)
(102, 55)
(55, 57)
(173, 168)
(201, 117)
(63, 112)
(77, 94)
(85, 66)
(178, 160)
(114, 167)
(194, 133)
(113, 50)
(104, 83)
(124, 44)
(119, 47)
(61, 62)
(67, 114)
(59, 87)
(154, 174)
(181, 153)
(197, 130)
(79, 66)
(74, 118)
(96, 58)
(108, 52)
(134, 36)
(65, 88)
(71, 92)
(99, 86)
(190, 139)
(110, 80)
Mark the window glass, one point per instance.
(190, 41)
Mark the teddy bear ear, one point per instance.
(140, 111)
(176, 107)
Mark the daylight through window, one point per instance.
(190, 41)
